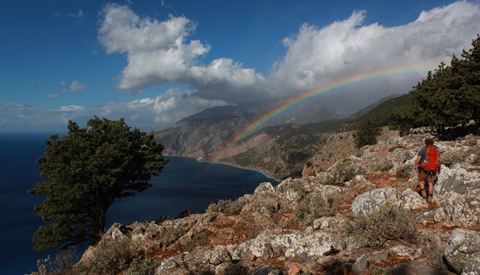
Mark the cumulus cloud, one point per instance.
(160, 53)
(77, 86)
(53, 95)
(318, 55)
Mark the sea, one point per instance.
(184, 183)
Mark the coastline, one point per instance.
(265, 173)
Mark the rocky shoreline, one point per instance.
(280, 230)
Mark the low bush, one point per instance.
(388, 223)
(451, 158)
(109, 257)
(383, 165)
(393, 148)
(313, 206)
(227, 207)
(171, 235)
(404, 171)
(62, 264)
(297, 186)
(146, 266)
(340, 174)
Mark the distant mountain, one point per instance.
(278, 149)
(367, 109)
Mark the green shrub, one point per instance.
(451, 158)
(297, 186)
(393, 148)
(62, 264)
(340, 174)
(109, 257)
(171, 236)
(227, 207)
(313, 206)
(383, 165)
(473, 141)
(388, 223)
(404, 170)
(146, 266)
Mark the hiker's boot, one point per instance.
(423, 193)
(430, 198)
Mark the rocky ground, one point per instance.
(275, 231)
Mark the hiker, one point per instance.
(428, 166)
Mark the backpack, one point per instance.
(432, 161)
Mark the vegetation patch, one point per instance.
(228, 207)
(404, 170)
(396, 147)
(383, 165)
(340, 174)
(451, 158)
(388, 223)
(313, 206)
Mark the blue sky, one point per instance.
(155, 62)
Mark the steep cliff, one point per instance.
(203, 137)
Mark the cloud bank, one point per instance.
(159, 52)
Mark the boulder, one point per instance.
(116, 234)
(460, 247)
(458, 180)
(264, 187)
(458, 210)
(371, 201)
(360, 266)
(412, 200)
(472, 267)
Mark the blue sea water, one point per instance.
(184, 184)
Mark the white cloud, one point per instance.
(77, 86)
(76, 15)
(52, 95)
(33, 83)
(159, 53)
(161, 111)
(95, 51)
(62, 83)
(55, 14)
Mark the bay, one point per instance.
(184, 184)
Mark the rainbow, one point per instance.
(350, 81)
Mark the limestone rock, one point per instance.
(329, 222)
(458, 180)
(460, 247)
(412, 200)
(360, 266)
(264, 187)
(116, 234)
(461, 211)
(371, 201)
(360, 184)
(472, 267)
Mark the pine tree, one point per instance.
(87, 171)
(367, 132)
(448, 97)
